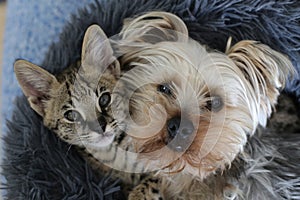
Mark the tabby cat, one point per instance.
(76, 104)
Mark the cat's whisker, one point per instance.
(83, 137)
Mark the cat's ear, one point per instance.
(36, 84)
(97, 53)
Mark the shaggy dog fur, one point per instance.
(38, 166)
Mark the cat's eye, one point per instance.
(215, 103)
(164, 88)
(73, 116)
(104, 100)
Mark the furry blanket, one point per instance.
(39, 166)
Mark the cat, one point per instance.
(76, 104)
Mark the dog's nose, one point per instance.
(181, 128)
(180, 132)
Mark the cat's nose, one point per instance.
(98, 125)
(102, 122)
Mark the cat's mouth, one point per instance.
(104, 139)
(98, 140)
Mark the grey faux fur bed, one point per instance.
(37, 165)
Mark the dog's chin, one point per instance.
(174, 162)
(176, 157)
(186, 164)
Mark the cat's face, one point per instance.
(82, 115)
(77, 104)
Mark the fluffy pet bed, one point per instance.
(39, 166)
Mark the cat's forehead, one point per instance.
(83, 91)
(83, 86)
(107, 81)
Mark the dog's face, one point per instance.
(191, 109)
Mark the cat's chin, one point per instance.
(99, 140)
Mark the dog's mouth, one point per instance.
(179, 145)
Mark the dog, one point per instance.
(193, 109)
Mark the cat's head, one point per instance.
(76, 104)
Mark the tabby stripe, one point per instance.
(68, 88)
(80, 88)
(75, 97)
(137, 168)
(121, 137)
(125, 160)
(83, 80)
(89, 92)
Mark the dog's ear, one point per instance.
(36, 84)
(265, 72)
(154, 27)
(97, 54)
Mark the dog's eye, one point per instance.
(215, 103)
(164, 88)
(73, 116)
(104, 100)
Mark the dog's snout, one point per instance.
(177, 127)
(173, 127)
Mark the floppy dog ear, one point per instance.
(266, 72)
(154, 27)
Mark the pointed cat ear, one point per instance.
(36, 84)
(154, 27)
(266, 72)
(97, 53)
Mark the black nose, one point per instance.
(181, 128)
(102, 123)
(98, 125)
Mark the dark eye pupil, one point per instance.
(164, 89)
(73, 116)
(104, 100)
(215, 103)
(102, 89)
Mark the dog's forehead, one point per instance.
(188, 67)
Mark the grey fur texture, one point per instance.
(269, 166)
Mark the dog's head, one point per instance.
(192, 109)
